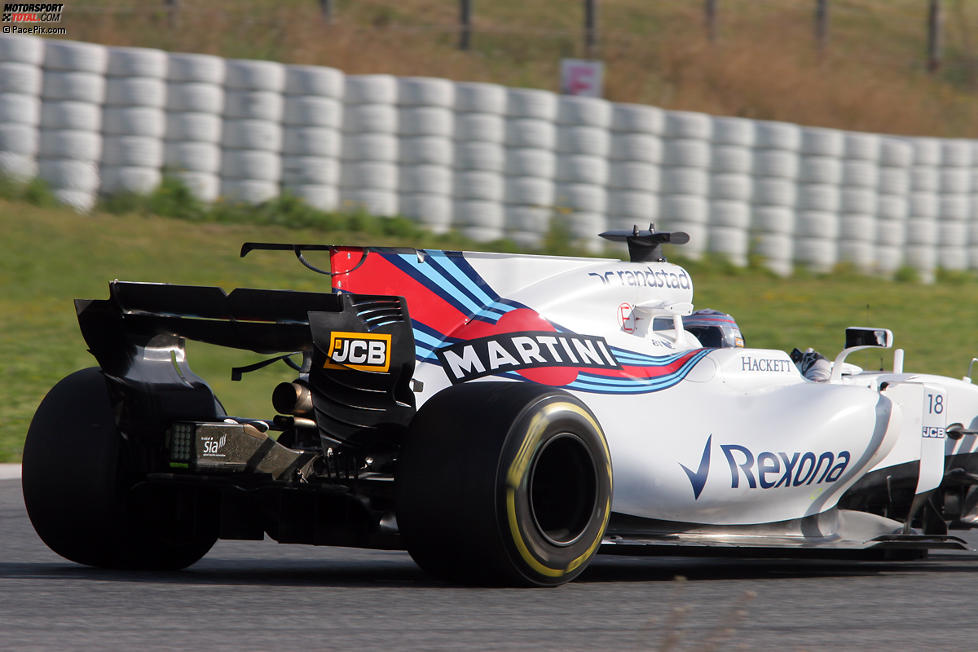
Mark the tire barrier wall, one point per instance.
(368, 165)
(70, 135)
(20, 106)
(486, 160)
(311, 142)
(192, 133)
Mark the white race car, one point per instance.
(502, 417)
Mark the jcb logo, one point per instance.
(360, 351)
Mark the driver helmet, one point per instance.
(714, 329)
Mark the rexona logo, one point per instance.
(770, 470)
(495, 354)
(360, 351)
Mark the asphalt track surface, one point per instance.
(262, 595)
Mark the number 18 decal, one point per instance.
(934, 419)
(932, 438)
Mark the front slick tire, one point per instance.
(76, 488)
(504, 483)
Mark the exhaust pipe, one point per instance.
(292, 398)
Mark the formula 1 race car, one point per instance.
(502, 417)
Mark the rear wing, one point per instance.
(358, 351)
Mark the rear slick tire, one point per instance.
(504, 483)
(76, 489)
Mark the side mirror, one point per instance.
(876, 337)
(858, 339)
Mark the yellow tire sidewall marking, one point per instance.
(517, 471)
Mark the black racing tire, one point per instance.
(76, 488)
(504, 484)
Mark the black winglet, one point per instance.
(248, 247)
(646, 246)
